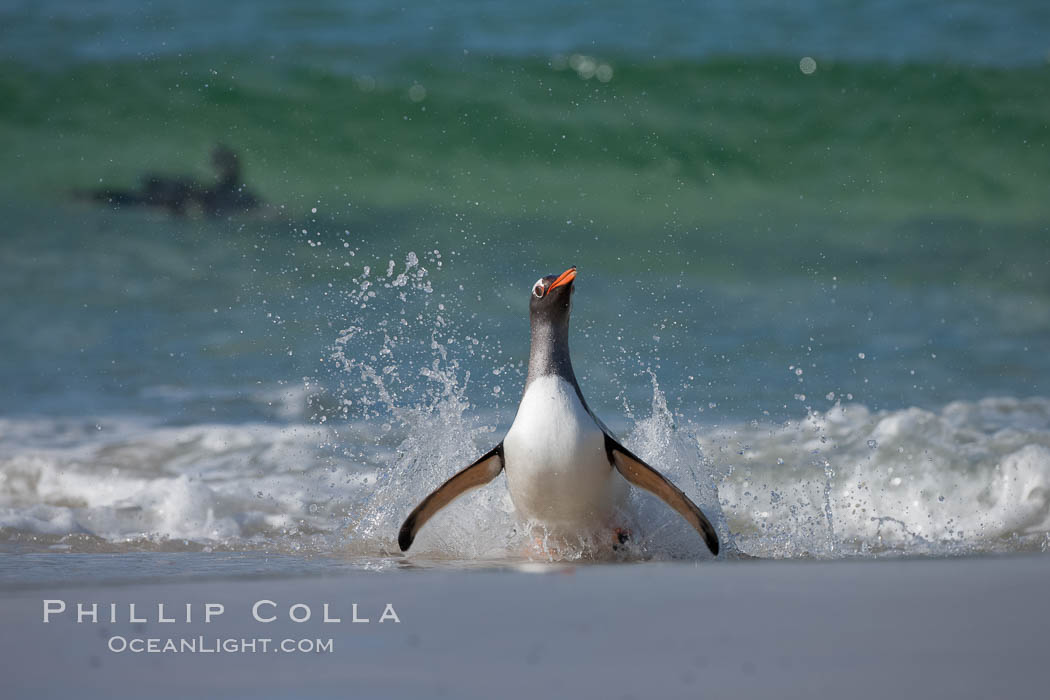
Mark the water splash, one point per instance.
(390, 416)
(972, 477)
(674, 451)
(966, 479)
(421, 395)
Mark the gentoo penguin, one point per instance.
(565, 470)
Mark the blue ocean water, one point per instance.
(812, 244)
(964, 32)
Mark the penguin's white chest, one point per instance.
(557, 469)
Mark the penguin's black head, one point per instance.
(551, 296)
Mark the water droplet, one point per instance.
(417, 93)
(873, 444)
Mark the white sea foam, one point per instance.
(971, 477)
(124, 482)
(352, 452)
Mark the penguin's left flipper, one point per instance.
(645, 477)
(481, 472)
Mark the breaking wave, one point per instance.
(972, 477)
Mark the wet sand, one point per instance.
(860, 629)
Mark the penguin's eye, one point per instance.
(537, 289)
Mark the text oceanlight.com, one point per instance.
(216, 645)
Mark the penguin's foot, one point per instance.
(542, 548)
(586, 545)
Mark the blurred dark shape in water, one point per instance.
(180, 194)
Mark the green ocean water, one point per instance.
(942, 170)
(688, 142)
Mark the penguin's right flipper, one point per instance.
(645, 477)
(481, 472)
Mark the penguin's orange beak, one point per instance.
(564, 278)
